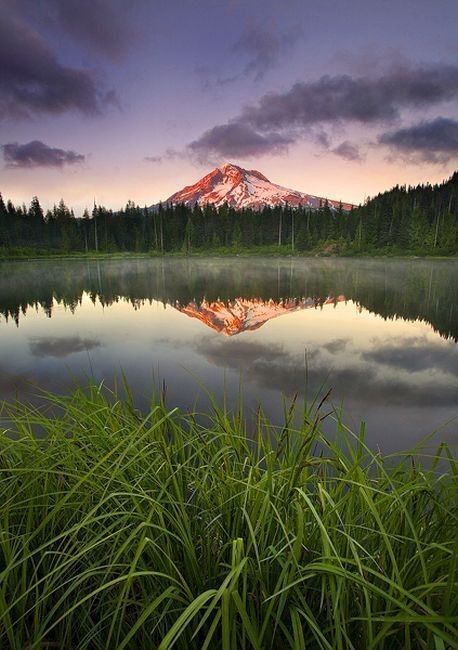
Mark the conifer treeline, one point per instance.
(419, 219)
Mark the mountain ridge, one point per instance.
(231, 317)
(246, 188)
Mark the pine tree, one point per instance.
(189, 235)
(237, 235)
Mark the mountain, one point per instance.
(242, 314)
(245, 188)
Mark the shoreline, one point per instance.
(226, 254)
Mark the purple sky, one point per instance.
(114, 100)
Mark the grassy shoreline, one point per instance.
(142, 531)
(261, 251)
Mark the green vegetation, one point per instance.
(28, 253)
(420, 220)
(124, 531)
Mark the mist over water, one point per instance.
(380, 333)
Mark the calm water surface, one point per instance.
(381, 334)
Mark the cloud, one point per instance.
(32, 79)
(336, 345)
(170, 154)
(264, 49)
(268, 365)
(237, 140)
(242, 353)
(279, 119)
(322, 138)
(361, 380)
(97, 23)
(415, 355)
(435, 141)
(55, 346)
(347, 151)
(357, 99)
(38, 154)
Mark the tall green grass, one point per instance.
(124, 531)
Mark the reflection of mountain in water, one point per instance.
(241, 314)
(412, 290)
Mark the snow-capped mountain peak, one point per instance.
(245, 188)
(238, 315)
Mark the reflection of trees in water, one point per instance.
(412, 290)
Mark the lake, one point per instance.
(380, 333)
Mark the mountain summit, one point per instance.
(245, 188)
(232, 317)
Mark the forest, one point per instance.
(410, 220)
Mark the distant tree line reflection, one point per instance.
(415, 290)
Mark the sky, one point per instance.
(117, 100)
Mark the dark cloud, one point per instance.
(242, 353)
(170, 154)
(264, 49)
(98, 23)
(101, 25)
(358, 99)
(234, 140)
(336, 346)
(358, 381)
(322, 138)
(415, 355)
(347, 151)
(278, 119)
(38, 154)
(434, 141)
(55, 346)
(32, 80)
(268, 365)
